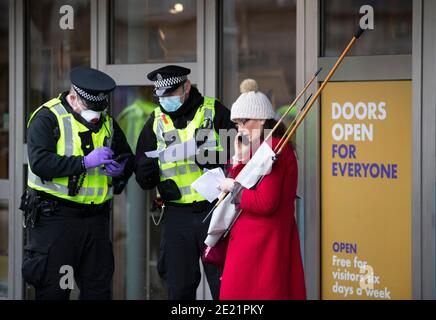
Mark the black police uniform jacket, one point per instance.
(42, 137)
(147, 174)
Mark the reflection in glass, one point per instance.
(3, 249)
(392, 33)
(136, 239)
(258, 41)
(51, 51)
(4, 89)
(150, 31)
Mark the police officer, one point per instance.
(183, 114)
(74, 168)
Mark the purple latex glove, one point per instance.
(114, 169)
(98, 157)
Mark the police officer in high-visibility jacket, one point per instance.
(183, 114)
(78, 158)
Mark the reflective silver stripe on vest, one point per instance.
(68, 136)
(169, 173)
(185, 191)
(193, 168)
(111, 128)
(60, 110)
(172, 172)
(110, 192)
(68, 129)
(57, 187)
(87, 191)
(208, 114)
(182, 169)
(159, 134)
(210, 141)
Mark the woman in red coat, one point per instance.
(263, 259)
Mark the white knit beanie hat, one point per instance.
(251, 104)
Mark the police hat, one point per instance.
(168, 79)
(93, 86)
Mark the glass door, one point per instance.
(141, 36)
(4, 148)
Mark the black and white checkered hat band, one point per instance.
(90, 97)
(166, 83)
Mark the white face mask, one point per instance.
(172, 103)
(91, 115)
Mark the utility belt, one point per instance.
(34, 205)
(196, 207)
(169, 191)
(50, 208)
(158, 206)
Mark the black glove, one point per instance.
(168, 190)
(147, 172)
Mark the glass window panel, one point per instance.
(259, 42)
(153, 31)
(51, 51)
(4, 248)
(136, 239)
(4, 89)
(392, 34)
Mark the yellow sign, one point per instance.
(366, 190)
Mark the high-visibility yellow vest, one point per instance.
(185, 172)
(96, 188)
(133, 118)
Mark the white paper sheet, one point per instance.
(222, 218)
(152, 154)
(225, 214)
(207, 184)
(176, 152)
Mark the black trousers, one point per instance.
(65, 243)
(182, 243)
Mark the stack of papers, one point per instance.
(207, 184)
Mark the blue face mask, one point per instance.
(170, 104)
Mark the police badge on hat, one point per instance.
(93, 86)
(168, 79)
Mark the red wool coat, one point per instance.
(263, 259)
